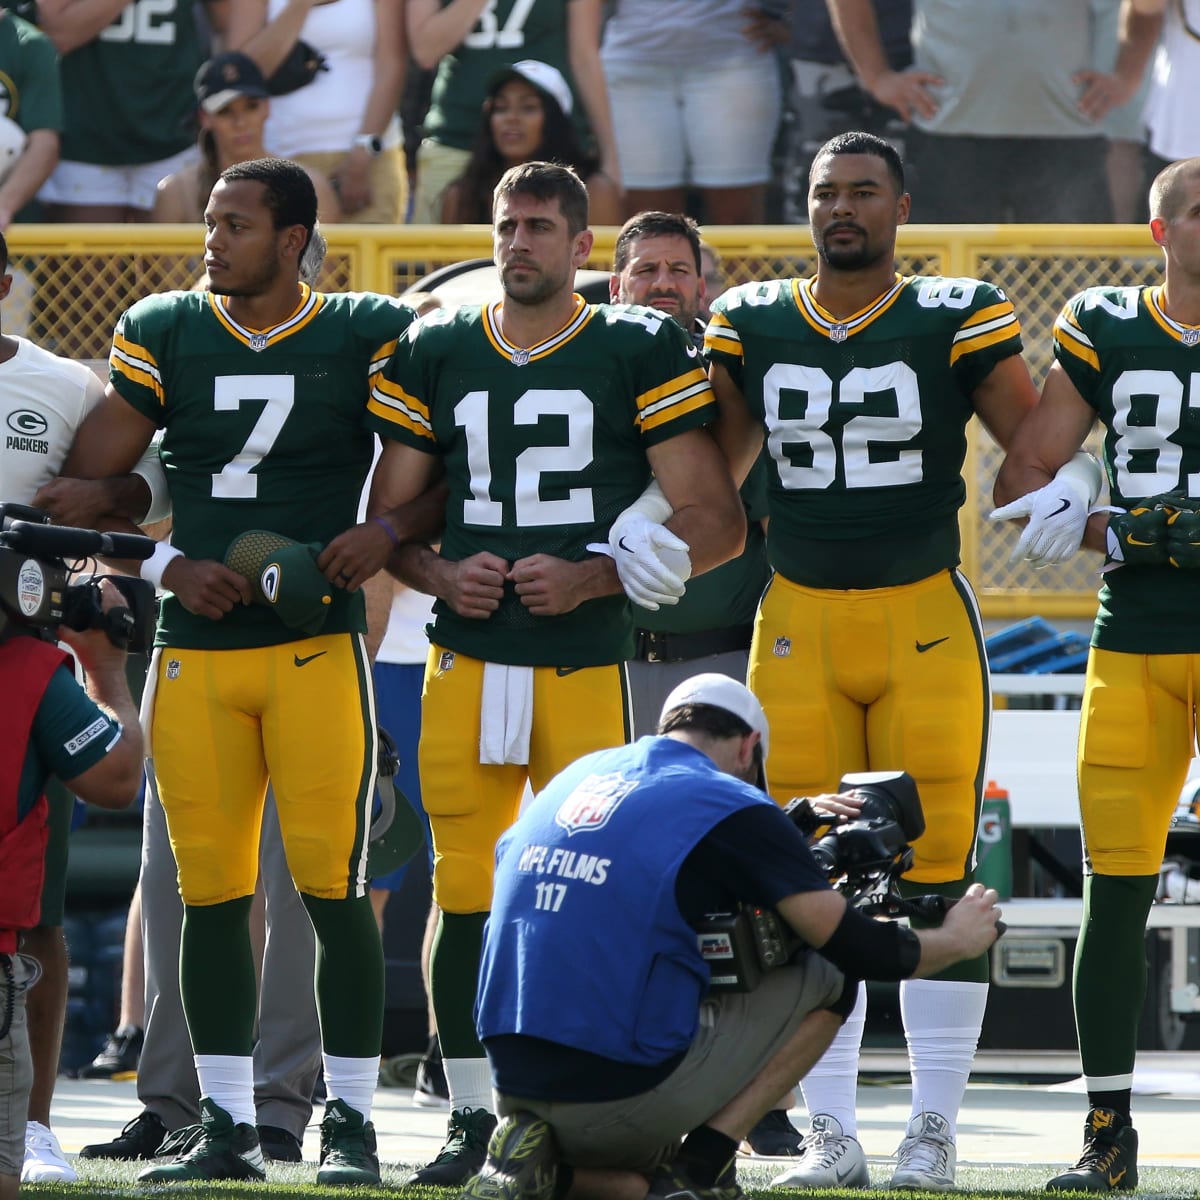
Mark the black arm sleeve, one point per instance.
(866, 949)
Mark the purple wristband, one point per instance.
(390, 531)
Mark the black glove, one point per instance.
(1138, 538)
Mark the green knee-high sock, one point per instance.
(970, 970)
(453, 976)
(216, 977)
(349, 975)
(1110, 970)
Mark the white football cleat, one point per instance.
(828, 1159)
(45, 1161)
(926, 1156)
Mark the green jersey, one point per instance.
(1140, 371)
(128, 92)
(865, 419)
(543, 447)
(506, 32)
(263, 430)
(30, 93)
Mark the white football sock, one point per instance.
(228, 1081)
(469, 1081)
(942, 1019)
(831, 1086)
(352, 1081)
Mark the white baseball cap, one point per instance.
(540, 75)
(719, 691)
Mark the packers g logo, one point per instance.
(269, 582)
(26, 423)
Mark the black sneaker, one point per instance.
(774, 1136)
(348, 1153)
(1109, 1159)
(141, 1138)
(119, 1058)
(223, 1150)
(671, 1181)
(522, 1163)
(465, 1150)
(431, 1090)
(279, 1145)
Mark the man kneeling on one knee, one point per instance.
(607, 1048)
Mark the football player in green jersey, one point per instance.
(261, 386)
(868, 649)
(1127, 357)
(547, 415)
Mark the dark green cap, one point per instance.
(283, 575)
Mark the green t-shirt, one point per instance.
(506, 32)
(865, 419)
(70, 735)
(263, 430)
(30, 91)
(128, 92)
(1140, 371)
(542, 449)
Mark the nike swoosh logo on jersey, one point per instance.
(692, 352)
(923, 646)
(1065, 505)
(561, 671)
(301, 662)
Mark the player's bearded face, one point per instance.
(252, 278)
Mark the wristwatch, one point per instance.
(372, 143)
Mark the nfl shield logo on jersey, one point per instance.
(446, 661)
(520, 358)
(839, 333)
(592, 804)
(1190, 337)
(173, 669)
(258, 341)
(783, 647)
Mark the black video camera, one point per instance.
(862, 858)
(36, 562)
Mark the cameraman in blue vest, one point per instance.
(90, 740)
(607, 1048)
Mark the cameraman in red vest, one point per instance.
(92, 741)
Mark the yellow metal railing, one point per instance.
(73, 281)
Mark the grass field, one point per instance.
(105, 1180)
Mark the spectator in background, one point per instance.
(234, 105)
(344, 122)
(826, 99)
(467, 41)
(126, 76)
(1004, 103)
(526, 118)
(30, 113)
(1125, 162)
(1174, 82)
(665, 61)
(233, 108)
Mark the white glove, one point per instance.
(652, 563)
(1057, 513)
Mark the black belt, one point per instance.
(653, 646)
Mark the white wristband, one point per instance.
(1084, 469)
(652, 504)
(152, 568)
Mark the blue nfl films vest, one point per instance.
(585, 945)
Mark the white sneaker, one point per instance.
(926, 1156)
(44, 1158)
(828, 1159)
